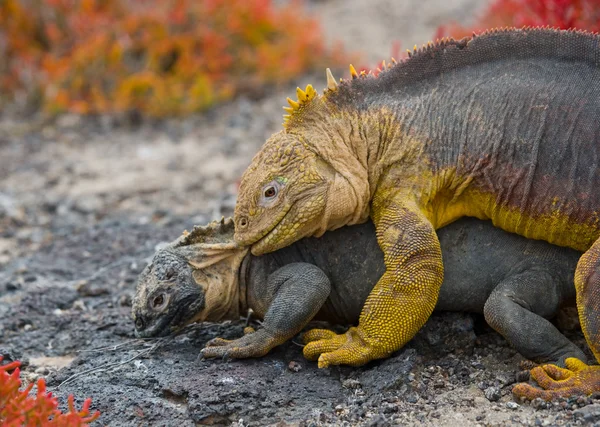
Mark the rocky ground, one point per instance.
(84, 204)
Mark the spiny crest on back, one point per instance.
(447, 54)
(304, 97)
(207, 245)
(214, 232)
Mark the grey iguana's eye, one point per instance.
(139, 323)
(159, 301)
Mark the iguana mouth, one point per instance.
(270, 241)
(165, 325)
(272, 230)
(156, 330)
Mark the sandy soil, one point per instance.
(85, 202)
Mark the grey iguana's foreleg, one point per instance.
(517, 309)
(299, 291)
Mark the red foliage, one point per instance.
(17, 408)
(582, 14)
(161, 57)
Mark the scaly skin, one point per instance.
(577, 379)
(504, 126)
(516, 283)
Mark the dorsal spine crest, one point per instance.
(430, 49)
(304, 97)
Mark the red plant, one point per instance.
(582, 14)
(161, 57)
(18, 409)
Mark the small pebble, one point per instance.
(351, 383)
(492, 394)
(512, 405)
(125, 300)
(294, 366)
(538, 403)
(42, 370)
(439, 384)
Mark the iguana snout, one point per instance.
(282, 200)
(167, 297)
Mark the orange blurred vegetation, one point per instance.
(581, 14)
(160, 57)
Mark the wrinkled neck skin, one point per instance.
(358, 148)
(221, 284)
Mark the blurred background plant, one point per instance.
(175, 57)
(159, 57)
(581, 14)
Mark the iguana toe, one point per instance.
(351, 348)
(254, 344)
(318, 334)
(218, 342)
(577, 379)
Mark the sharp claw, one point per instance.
(218, 342)
(322, 362)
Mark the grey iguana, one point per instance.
(204, 276)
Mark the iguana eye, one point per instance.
(158, 301)
(270, 192)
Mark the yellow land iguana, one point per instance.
(502, 126)
(515, 282)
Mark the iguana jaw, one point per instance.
(275, 238)
(325, 206)
(304, 217)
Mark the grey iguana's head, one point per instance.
(192, 279)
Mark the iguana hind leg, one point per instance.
(578, 378)
(517, 308)
(404, 297)
(299, 290)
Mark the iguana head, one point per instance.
(195, 278)
(303, 181)
(282, 194)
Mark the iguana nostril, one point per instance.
(139, 324)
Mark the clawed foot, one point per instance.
(352, 348)
(577, 379)
(252, 344)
